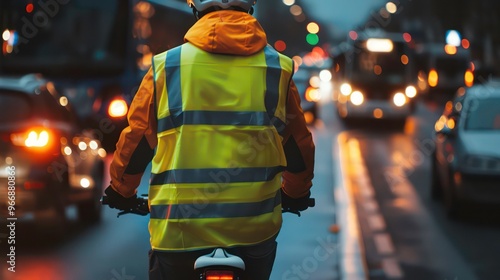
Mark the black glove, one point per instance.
(116, 200)
(295, 204)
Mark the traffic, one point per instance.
(403, 107)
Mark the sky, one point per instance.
(340, 15)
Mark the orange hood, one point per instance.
(227, 32)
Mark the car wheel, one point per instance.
(436, 188)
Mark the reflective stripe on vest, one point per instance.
(217, 169)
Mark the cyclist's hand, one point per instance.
(295, 204)
(118, 201)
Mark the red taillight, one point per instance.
(33, 185)
(38, 138)
(219, 275)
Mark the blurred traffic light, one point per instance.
(312, 37)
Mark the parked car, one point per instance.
(46, 159)
(466, 160)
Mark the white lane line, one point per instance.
(358, 181)
(376, 222)
(383, 243)
(371, 206)
(391, 268)
(352, 265)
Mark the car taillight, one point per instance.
(33, 138)
(219, 275)
(433, 78)
(117, 108)
(469, 78)
(34, 185)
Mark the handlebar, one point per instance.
(311, 202)
(143, 209)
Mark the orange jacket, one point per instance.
(223, 32)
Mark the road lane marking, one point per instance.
(371, 206)
(383, 243)
(353, 265)
(376, 222)
(391, 268)
(356, 180)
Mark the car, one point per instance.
(443, 69)
(47, 161)
(466, 159)
(311, 79)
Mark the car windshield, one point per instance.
(386, 67)
(82, 37)
(14, 107)
(483, 114)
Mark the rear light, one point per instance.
(433, 78)
(34, 185)
(450, 49)
(469, 78)
(33, 138)
(118, 108)
(219, 275)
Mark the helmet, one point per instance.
(202, 5)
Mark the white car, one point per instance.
(466, 160)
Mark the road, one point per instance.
(371, 181)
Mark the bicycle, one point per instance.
(218, 265)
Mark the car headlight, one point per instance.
(411, 91)
(315, 81)
(345, 89)
(325, 75)
(482, 163)
(118, 108)
(399, 99)
(357, 98)
(312, 94)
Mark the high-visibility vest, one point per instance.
(216, 173)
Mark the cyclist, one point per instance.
(219, 117)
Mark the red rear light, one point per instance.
(219, 275)
(36, 138)
(34, 185)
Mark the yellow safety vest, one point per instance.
(216, 173)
